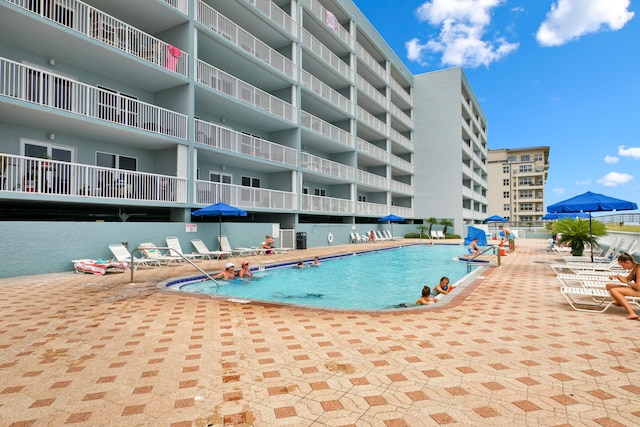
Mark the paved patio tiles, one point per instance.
(508, 350)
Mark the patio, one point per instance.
(95, 350)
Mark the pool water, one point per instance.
(367, 281)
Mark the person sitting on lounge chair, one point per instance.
(268, 244)
(630, 286)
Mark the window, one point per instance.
(526, 206)
(525, 168)
(305, 190)
(115, 161)
(525, 158)
(320, 192)
(537, 157)
(248, 181)
(505, 195)
(506, 207)
(219, 177)
(525, 181)
(526, 194)
(505, 169)
(511, 159)
(505, 182)
(362, 199)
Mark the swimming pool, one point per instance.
(375, 280)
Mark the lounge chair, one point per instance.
(176, 249)
(587, 266)
(122, 254)
(591, 299)
(440, 234)
(355, 238)
(576, 279)
(100, 266)
(388, 234)
(151, 251)
(433, 234)
(364, 238)
(206, 253)
(226, 247)
(380, 237)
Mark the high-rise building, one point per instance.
(517, 177)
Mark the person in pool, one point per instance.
(228, 273)
(426, 297)
(443, 287)
(244, 272)
(300, 264)
(316, 262)
(474, 249)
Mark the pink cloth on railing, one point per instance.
(173, 54)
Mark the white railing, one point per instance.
(99, 26)
(181, 5)
(276, 14)
(371, 91)
(39, 87)
(401, 115)
(326, 204)
(326, 91)
(318, 125)
(368, 178)
(321, 14)
(20, 174)
(372, 121)
(324, 53)
(401, 187)
(397, 88)
(327, 167)
(371, 209)
(401, 139)
(243, 91)
(372, 150)
(222, 25)
(371, 62)
(401, 163)
(247, 145)
(208, 193)
(402, 211)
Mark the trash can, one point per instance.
(301, 240)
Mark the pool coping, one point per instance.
(462, 288)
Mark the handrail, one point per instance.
(490, 248)
(140, 249)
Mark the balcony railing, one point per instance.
(324, 53)
(401, 115)
(401, 187)
(222, 25)
(401, 163)
(243, 91)
(371, 91)
(50, 90)
(403, 212)
(99, 26)
(276, 14)
(372, 121)
(372, 150)
(323, 204)
(240, 143)
(372, 209)
(244, 197)
(401, 139)
(318, 125)
(397, 88)
(327, 92)
(366, 57)
(321, 14)
(327, 167)
(181, 5)
(33, 176)
(371, 179)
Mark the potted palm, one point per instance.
(577, 233)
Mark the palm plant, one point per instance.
(422, 229)
(446, 222)
(576, 233)
(431, 221)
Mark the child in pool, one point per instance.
(444, 287)
(426, 297)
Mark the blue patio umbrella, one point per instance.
(391, 219)
(219, 209)
(591, 202)
(496, 218)
(554, 216)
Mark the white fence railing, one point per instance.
(318, 125)
(326, 204)
(327, 167)
(39, 87)
(244, 197)
(19, 174)
(276, 14)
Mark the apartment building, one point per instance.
(517, 178)
(450, 146)
(113, 111)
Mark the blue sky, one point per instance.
(562, 73)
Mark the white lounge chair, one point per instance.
(121, 254)
(591, 299)
(380, 237)
(206, 253)
(151, 251)
(440, 234)
(612, 266)
(388, 234)
(176, 249)
(226, 247)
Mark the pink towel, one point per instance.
(172, 53)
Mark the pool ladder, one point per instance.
(495, 250)
(171, 250)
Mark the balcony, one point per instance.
(243, 91)
(326, 167)
(370, 61)
(326, 205)
(371, 209)
(371, 92)
(372, 180)
(324, 53)
(181, 5)
(322, 16)
(106, 29)
(276, 14)
(402, 116)
(372, 150)
(39, 87)
(406, 96)
(240, 143)
(400, 163)
(243, 197)
(401, 187)
(315, 124)
(36, 177)
(327, 92)
(371, 121)
(401, 139)
(403, 212)
(229, 30)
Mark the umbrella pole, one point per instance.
(591, 236)
(220, 232)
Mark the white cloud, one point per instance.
(629, 152)
(569, 20)
(462, 31)
(613, 179)
(559, 190)
(611, 159)
(585, 182)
